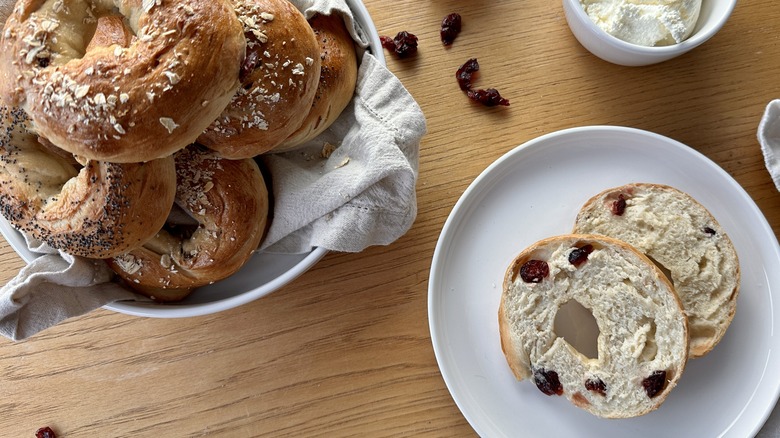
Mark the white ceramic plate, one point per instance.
(535, 191)
(263, 274)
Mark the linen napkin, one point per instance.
(769, 138)
(350, 188)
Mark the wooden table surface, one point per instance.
(345, 349)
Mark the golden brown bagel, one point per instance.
(97, 211)
(279, 80)
(228, 201)
(336, 86)
(115, 103)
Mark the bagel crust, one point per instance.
(98, 210)
(226, 202)
(643, 336)
(680, 234)
(121, 103)
(336, 86)
(279, 80)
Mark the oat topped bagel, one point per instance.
(226, 207)
(338, 77)
(279, 80)
(121, 103)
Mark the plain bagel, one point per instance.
(97, 210)
(120, 103)
(680, 234)
(227, 204)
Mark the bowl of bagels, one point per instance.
(132, 133)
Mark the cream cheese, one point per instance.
(645, 22)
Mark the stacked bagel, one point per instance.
(130, 128)
(656, 271)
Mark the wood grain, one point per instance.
(345, 349)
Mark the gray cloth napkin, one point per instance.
(769, 138)
(350, 188)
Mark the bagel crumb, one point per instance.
(327, 150)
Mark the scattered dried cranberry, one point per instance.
(464, 73)
(450, 28)
(709, 231)
(619, 206)
(654, 383)
(489, 97)
(404, 44)
(533, 271)
(578, 256)
(596, 385)
(547, 382)
(387, 43)
(45, 432)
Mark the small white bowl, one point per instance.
(713, 15)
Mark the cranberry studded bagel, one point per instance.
(94, 210)
(642, 342)
(677, 232)
(278, 77)
(338, 77)
(226, 207)
(129, 102)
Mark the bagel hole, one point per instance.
(180, 224)
(575, 324)
(109, 29)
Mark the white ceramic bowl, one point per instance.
(262, 274)
(713, 15)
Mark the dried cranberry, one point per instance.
(404, 44)
(489, 97)
(619, 205)
(464, 73)
(578, 256)
(450, 28)
(709, 231)
(548, 382)
(533, 271)
(596, 385)
(654, 383)
(251, 61)
(387, 43)
(45, 432)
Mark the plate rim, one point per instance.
(434, 291)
